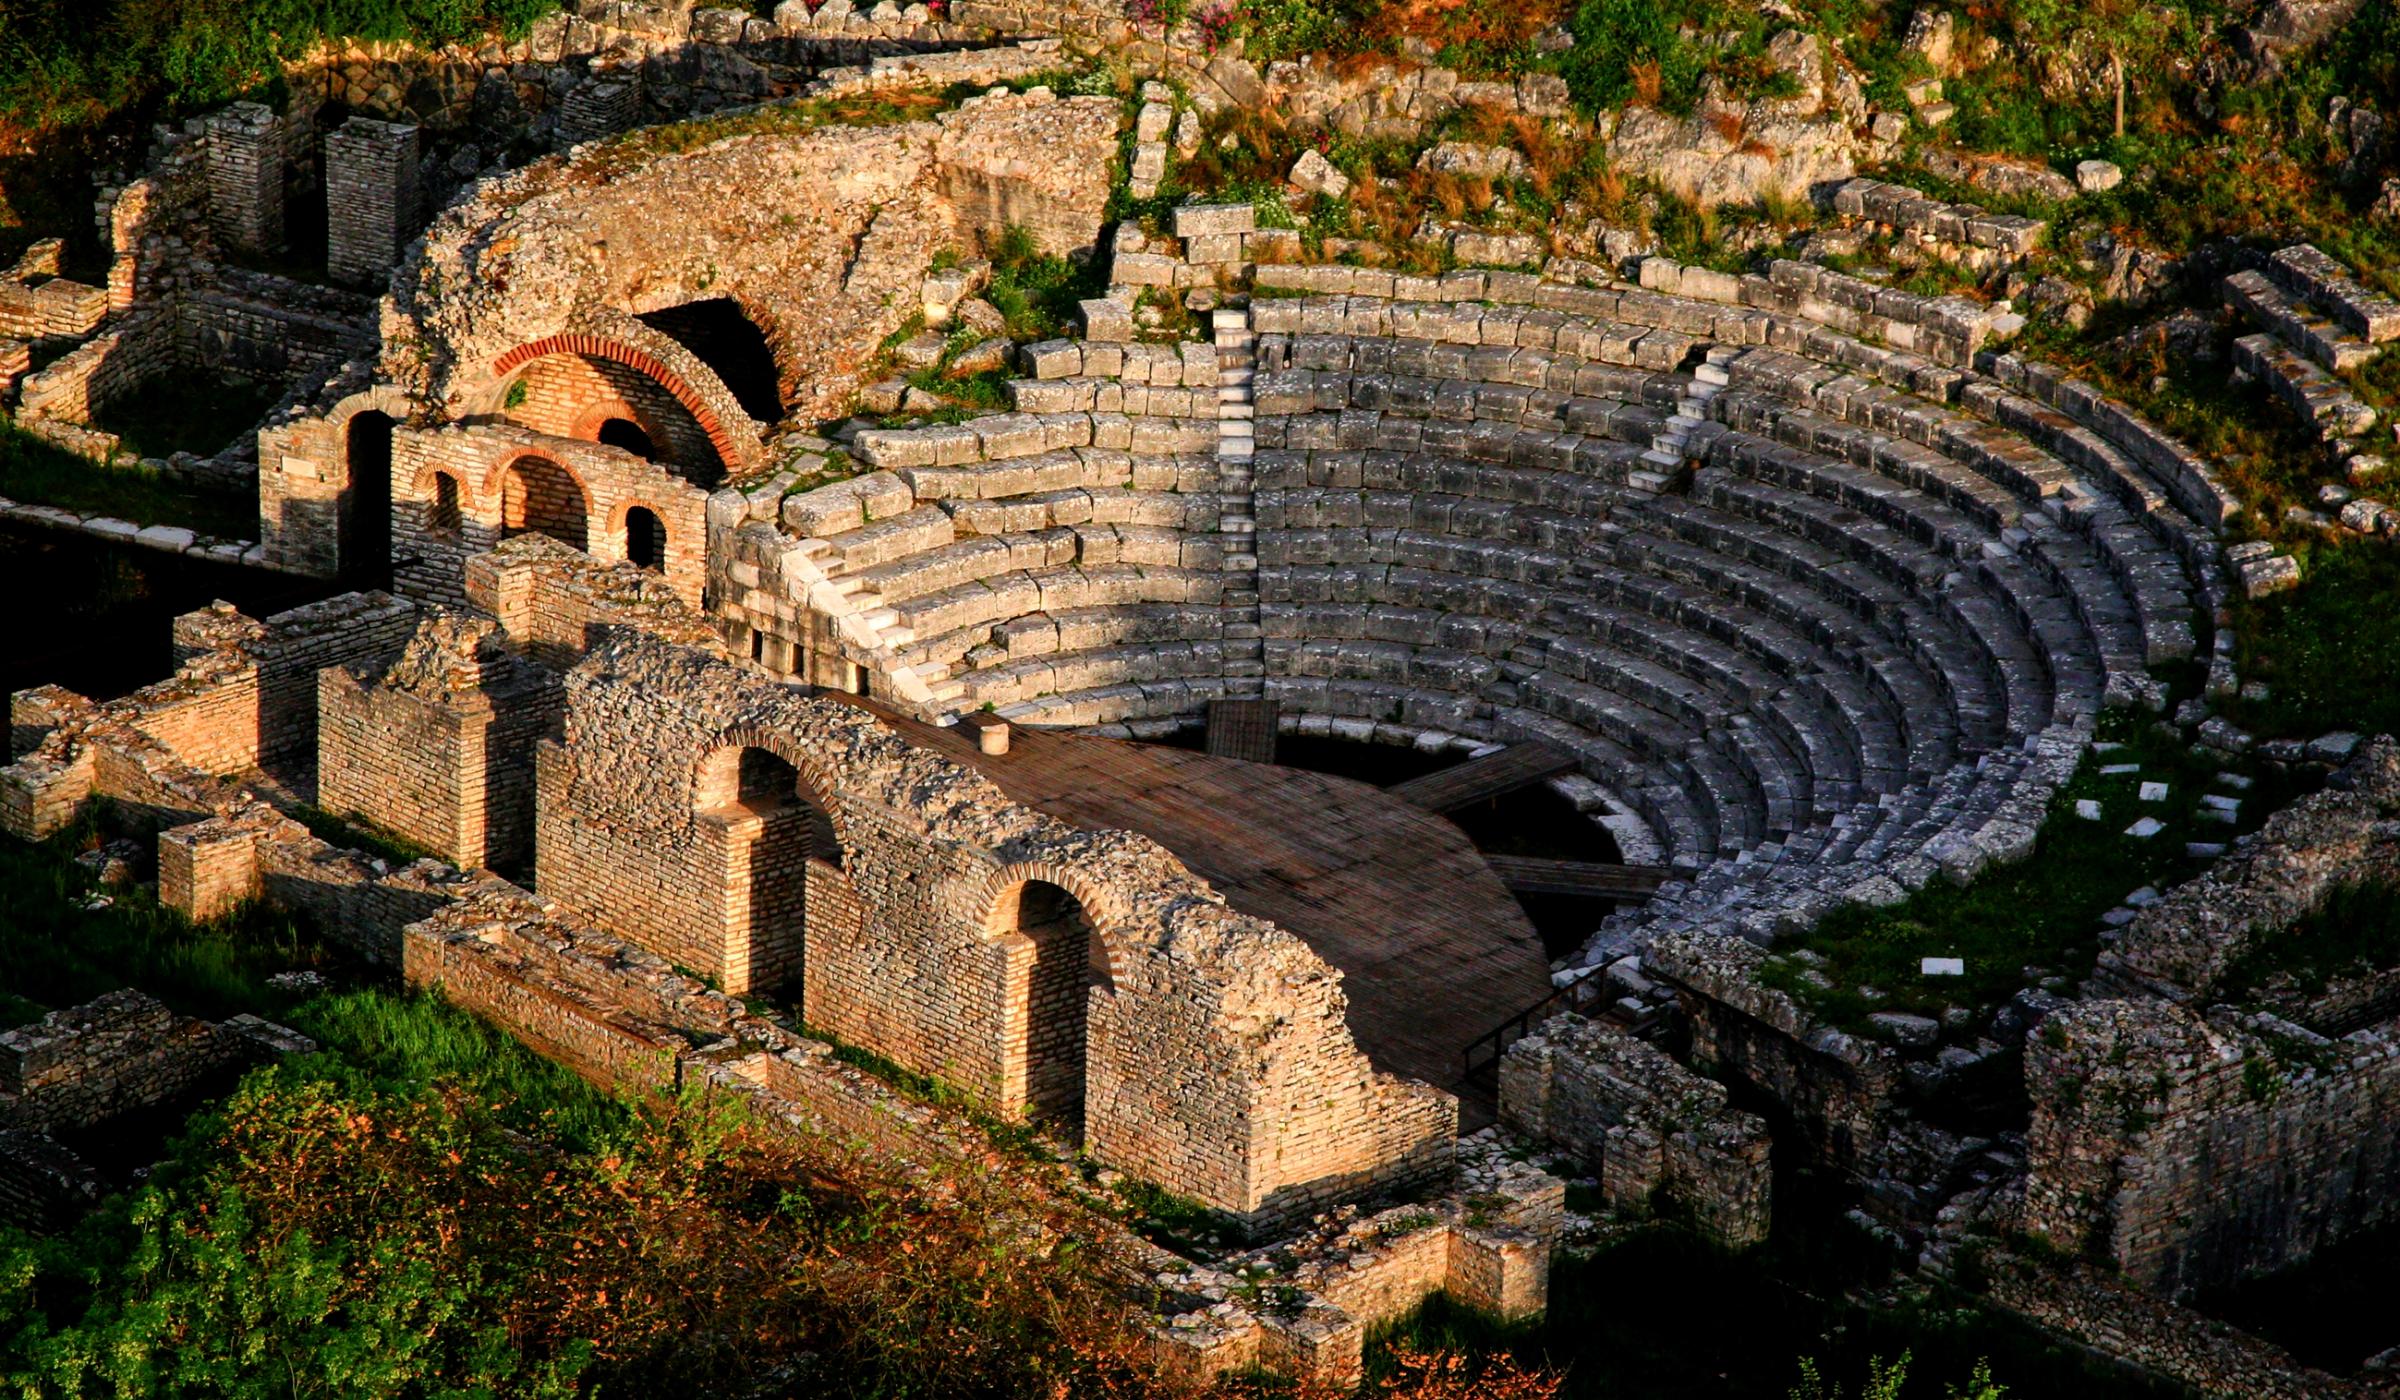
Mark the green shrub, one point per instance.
(1615, 41)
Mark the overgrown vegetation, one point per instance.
(2039, 918)
(41, 473)
(2355, 931)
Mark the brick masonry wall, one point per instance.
(479, 460)
(371, 197)
(902, 954)
(244, 145)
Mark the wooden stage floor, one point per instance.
(1433, 948)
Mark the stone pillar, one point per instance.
(370, 198)
(245, 178)
(207, 868)
(602, 104)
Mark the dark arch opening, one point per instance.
(646, 539)
(627, 434)
(444, 517)
(367, 521)
(730, 343)
(537, 496)
(1069, 961)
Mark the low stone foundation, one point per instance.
(92, 1064)
(1643, 1123)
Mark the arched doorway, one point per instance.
(773, 831)
(645, 539)
(627, 434)
(446, 514)
(1069, 963)
(538, 496)
(367, 518)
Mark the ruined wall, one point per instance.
(2183, 945)
(1642, 1123)
(589, 487)
(2088, 1306)
(828, 224)
(437, 746)
(2189, 1152)
(1217, 1061)
(87, 1065)
(1837, 1089)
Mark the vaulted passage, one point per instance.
(645, 539)
(625, 433)
(367, 543)
(539, 497)
(728, 342)
(1068, 963)
(768, 823)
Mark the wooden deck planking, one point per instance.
(1460, 785)
(1533, 875)
(1432, 947)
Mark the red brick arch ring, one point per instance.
(467, 494)
(728, 445)
(1099, 908)
(815, 782)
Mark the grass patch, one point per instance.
(2328, 650)
(185, 413)
(41, 473)
(60, 951)
(2041, 913)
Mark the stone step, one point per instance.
(1712, 373)
(1236, 524)
(1236, 378)
(1229, 320)
(1235, 412)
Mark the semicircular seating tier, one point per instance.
(1817, 611)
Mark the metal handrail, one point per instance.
(1574, 996)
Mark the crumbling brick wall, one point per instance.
(1642, 1122)
(437, 746)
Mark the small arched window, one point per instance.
(625, 433)
(645, 539)
(443, 518)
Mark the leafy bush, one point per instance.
(75, 60)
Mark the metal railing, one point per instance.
(1482, 1055)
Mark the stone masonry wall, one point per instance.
(2183, 945)
(1838, 1089)
(2189, 1152)
(1642, 1123)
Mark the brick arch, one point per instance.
(495, 487)
(729, 445)
(815, 781)
(1098, 905)
(421, 488)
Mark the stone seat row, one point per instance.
(1989, 470)
(2028, 567)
